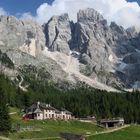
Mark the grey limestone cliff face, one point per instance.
(23, 41)
(95, 43)
(128, 67)
(26, 36)
(89, 15)
(104, 49)
(58, 34)
(107, 53)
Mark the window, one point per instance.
(38, 115)
(63, 116)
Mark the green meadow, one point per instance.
(51, 129)
(32, 129)
(129, 133)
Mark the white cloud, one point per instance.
(122, 12)
(3, 12)
(25, 16)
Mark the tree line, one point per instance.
(82, 101)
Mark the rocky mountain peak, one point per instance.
(62, 18)
(90, 15)
(132, 31)
(88, 49)
(58, 33)
(117, 28)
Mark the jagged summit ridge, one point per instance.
(89, 14)
(62, 18)
(101, 46)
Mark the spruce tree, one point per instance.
(5, 124)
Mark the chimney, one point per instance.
(38, 103)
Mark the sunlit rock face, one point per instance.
(26, 36)
(58, 34)
(24, 43)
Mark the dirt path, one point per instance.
(12, 113)
(20, 85)
(109, 131)
(4, 138)
(50, 138)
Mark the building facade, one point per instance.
(42, 111)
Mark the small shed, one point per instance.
(115, 122)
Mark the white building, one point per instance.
(42, 111)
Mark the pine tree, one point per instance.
(5, 124)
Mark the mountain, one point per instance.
(89, 51)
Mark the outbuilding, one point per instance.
(115, 122)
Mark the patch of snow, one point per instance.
(112, 70)
(120, 59)
(18, 34)
(111, 59)
(122, 66)
(75, 54)
(2, 43)
(20, 85)
(136, 85)
(137, 50)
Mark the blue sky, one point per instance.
(21, 6)
(135, 0)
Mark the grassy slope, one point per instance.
(49, 128)
(53, 128)
(130, 133)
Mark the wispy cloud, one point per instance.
(25, 16)
(3, 12)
